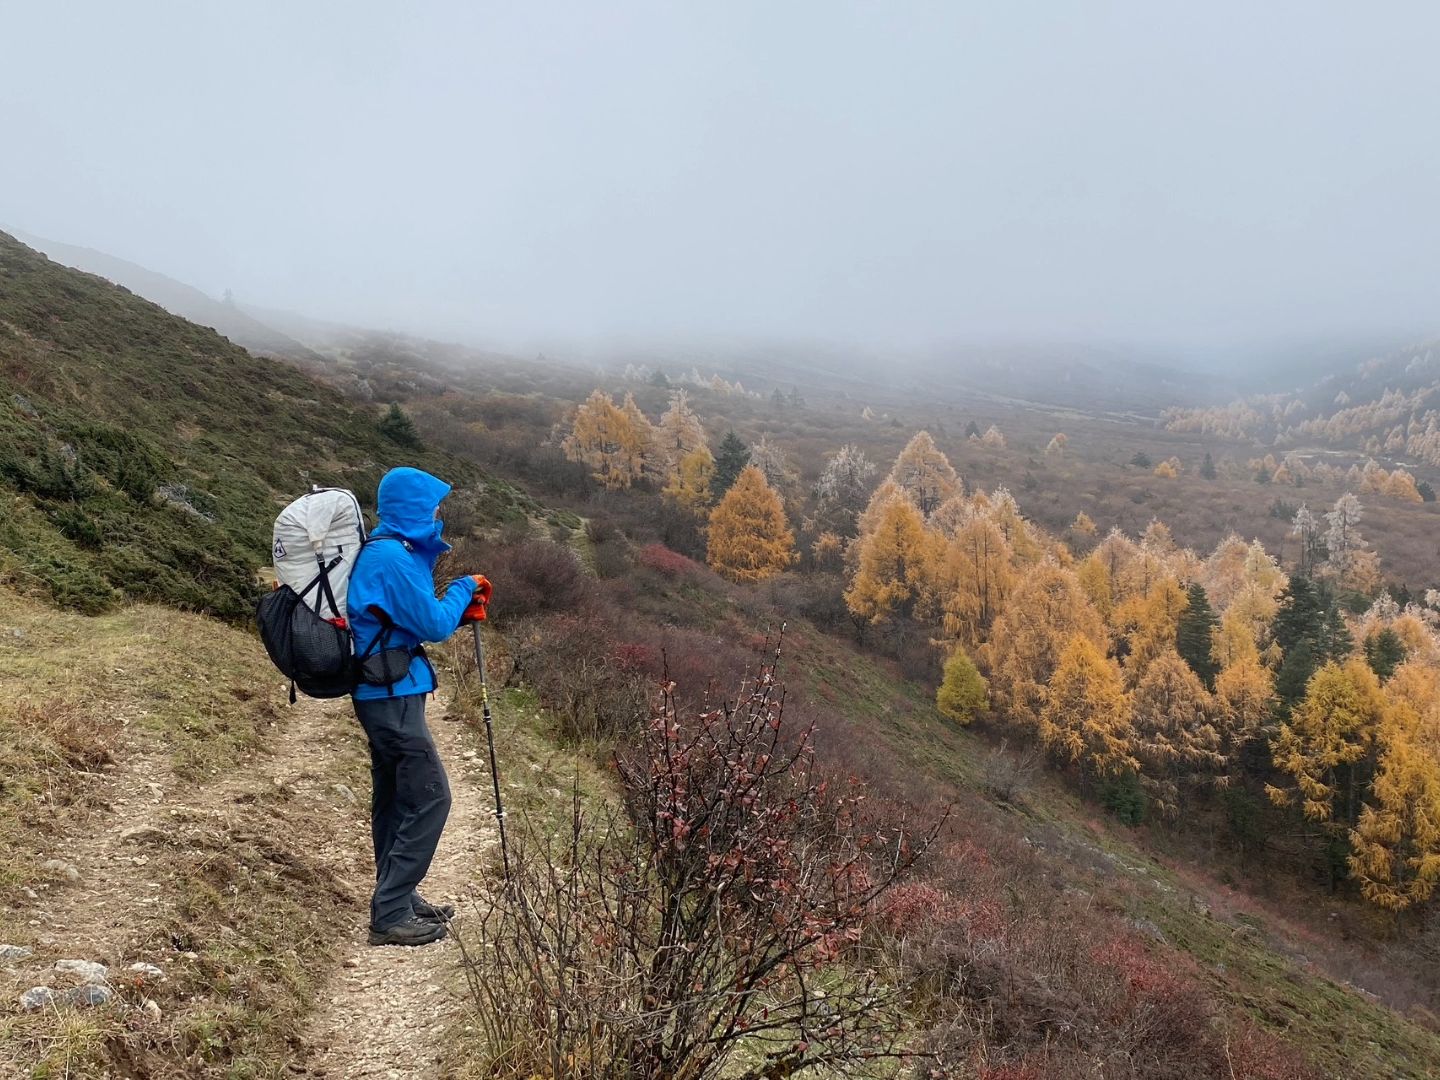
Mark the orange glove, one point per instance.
(476, 611)
(483, 589)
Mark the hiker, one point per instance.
(393, 610)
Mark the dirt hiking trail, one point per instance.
(154, 876)
(385, 1012)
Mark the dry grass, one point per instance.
(238, 896)
(196, 687)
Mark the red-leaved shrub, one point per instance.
(662, 560)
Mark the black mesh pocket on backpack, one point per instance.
(313, 652)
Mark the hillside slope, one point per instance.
(1387, 407)
(176, 297)
(143, 455)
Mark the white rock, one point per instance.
(146, 971)
(37, 997)
(151, 1010)
(89, 994)
(87, 970)
(62, 868)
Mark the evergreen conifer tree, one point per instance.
(1194, 635)
(396, 426)
(1384, 652)
(1299, 613)
(734, 455)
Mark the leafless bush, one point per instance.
(609, 549)
(531, 576)
(1008, 774)
(583, 675)
(719, 929)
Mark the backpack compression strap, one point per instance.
(325, 581)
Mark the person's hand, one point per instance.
(483, 591)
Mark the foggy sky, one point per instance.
(1197, 175)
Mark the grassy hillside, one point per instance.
(1254, 962)
(144, 456)
(175, 297)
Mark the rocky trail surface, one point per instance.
(385, 1011)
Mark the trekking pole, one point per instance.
(490, 742)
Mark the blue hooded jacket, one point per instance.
(399, 579)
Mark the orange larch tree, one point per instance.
(896, 566)
(977, 579)
(644, 460)
(1046, 609)
(1245, 698)
(607, 441)
(925, 473)
(749, 538)
(689, 485)
(1145, 626)
(678, 434)
(1175, 736)
(1395, 846)
(1086, 716)
(1328, 739)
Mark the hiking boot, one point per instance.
(413, 931)
(433, 912)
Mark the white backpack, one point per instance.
(324, 529)
(303, 623)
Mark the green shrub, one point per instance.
(1121, 795)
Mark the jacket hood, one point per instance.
(407, 500)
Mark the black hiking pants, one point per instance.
(410, 800)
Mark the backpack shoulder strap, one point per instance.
(369, 540)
